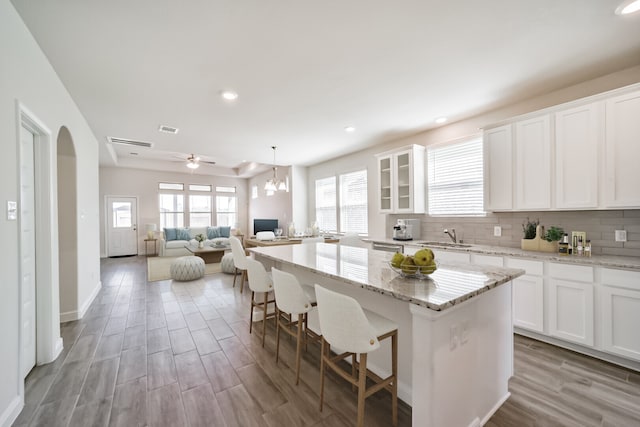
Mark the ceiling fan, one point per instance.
(193, 161)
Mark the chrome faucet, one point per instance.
(451, 236)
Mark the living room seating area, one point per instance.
(174, 240)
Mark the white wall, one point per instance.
(27, 77)
(465, 128)
(143, 184)
(277, 206)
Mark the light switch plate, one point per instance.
(497, 231)
(12, 211)
(621, 235)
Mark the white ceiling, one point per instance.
(306, 69)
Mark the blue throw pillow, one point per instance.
(224, 231)
(170, 234)
(213, 233)
(183, 234)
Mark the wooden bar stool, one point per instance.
(259, 281)
(355, 331)
(239, 260)
(303, 315)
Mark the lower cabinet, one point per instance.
(620, 309)
(571, 311)
(528, 303)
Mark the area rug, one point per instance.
(158, 268)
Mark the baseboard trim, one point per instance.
(10, 414)
(495, 408)
(70, 316)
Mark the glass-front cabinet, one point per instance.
(401, 187)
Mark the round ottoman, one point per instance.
(187, 268)
(227, 265)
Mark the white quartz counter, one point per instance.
(451, 284)
(611, 261)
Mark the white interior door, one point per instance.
(27, 251)
(122, 226)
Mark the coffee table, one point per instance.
(210, 254)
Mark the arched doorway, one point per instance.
(67, 226)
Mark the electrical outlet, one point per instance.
(453, 337)
(621, 235)
(464, 333)
(497, 231)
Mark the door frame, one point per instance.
(48, 340)
(106, 222)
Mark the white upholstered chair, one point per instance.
(260, 282)
(352, 239)
(239, 260)
(354, 331)
(303, 316)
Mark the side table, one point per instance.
(155, 247)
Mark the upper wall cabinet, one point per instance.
(580, 155)
(622, 151)
(577, 132)
(401, 180)
(498, 170)
(533, 163)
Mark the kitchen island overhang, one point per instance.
(455, 328)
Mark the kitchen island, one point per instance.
(455, 329)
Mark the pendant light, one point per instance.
(274, 184)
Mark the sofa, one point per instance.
(173, 240)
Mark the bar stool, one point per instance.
(239, 260)
(347, 326)
(292, 300)
(259, 281)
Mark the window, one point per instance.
(199, 210)
(170, 186)
(226, 206)
(171, 210)
(350, 207)
(121, 215)
(254, 192)
(326, 204)
(353, 202)
(199, 187)
(455, 179)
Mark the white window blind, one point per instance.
(326, 204)
(353, 202)
(455, 179)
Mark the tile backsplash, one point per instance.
(600, 227)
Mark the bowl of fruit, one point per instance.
(417, 266)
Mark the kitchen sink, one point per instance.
(445, 244)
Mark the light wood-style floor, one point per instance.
(173, 354)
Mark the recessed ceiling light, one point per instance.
(229, 95)
(440, 120)
(349, 129)
(168, 129)
(627, 7)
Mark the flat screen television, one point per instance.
(264, 225)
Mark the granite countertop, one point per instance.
(451, 284)
(611, 261)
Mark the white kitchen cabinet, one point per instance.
(528, 295)
(571, 311)
(620, 308)
(401, 187)
(620, 320)
(577, 132)
(532, 145)
(498, 169)
(622, 151)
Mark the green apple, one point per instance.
(408, 266)
(397, 259)
(429, 268)
(423, 257)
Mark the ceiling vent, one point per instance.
(168, 129)
(129, 142)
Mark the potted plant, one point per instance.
(530, 229)
(200, 238)
(551, 238)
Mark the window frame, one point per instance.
(339, 206)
